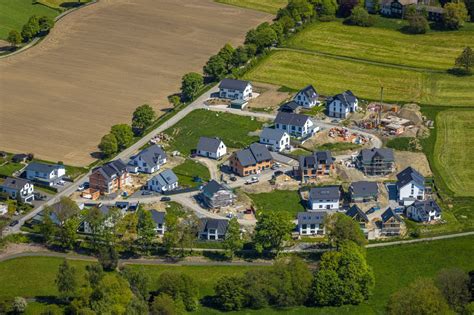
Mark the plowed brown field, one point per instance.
(60, 97)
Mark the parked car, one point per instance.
(233, 178)
(147, 193)
(13, 223)
(165, 199)
(252, 180)
(278, 173)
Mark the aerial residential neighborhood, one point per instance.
(235, 156)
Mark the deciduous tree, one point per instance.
(420, 297)
(360, 17)
(271, 231)
(164, 304)
(215, 68)
(466, 60)
(143, 117)
(455, 15)
(124, 135)
(14, 38)
(191, 84)
(454, 286)
(230, 293)
(66, 280)
(108, 145)
(341, 228)
(180, 287)
(233, 240)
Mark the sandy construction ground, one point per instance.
(60, 97)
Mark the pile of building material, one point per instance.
(344, 135)
(160, 138)
(412, 113)
(395, 125)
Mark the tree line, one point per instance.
(35, 26)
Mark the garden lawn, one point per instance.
(190, 169)
(331, 76)
(454, 150)
(232, 129)
(269, 6)
(287, 201)
(384, 45)
(20, 277)
(9, 168)
(15, 13)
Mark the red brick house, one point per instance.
(109, 177)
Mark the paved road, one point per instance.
(376, 142)
(124, 155)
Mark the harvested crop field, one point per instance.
(101, 62)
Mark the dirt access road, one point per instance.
(60, 97)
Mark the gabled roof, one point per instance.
(346, 98)
(327, 192)
(205, 224)
(310, 93)
(408, 175)
(290, 106)
(254, 154)
(426, 206)
(311, 217)
(165, 178)
(232, 84)
(291, 119)
(272, 134)
(212, 187)
(367, 155)
(388, 214)
(209, 144)
(152, 155)
(14, 183)
(158, 216)
(356, 212)
(111, 169)
(43, 167)
(364, 189)
(313, 160)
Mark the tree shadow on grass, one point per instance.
(71, 4)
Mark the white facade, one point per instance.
(155, 185)
(324, 204)
(297, 131)
(3, 209)
(24, 194)
(49, 176)
(235, 94)
(411, 192)
(138, 164)
(311, 229)
(302, 99)
(220, 152)
(416, 214)
(337, 109)
(277, 145)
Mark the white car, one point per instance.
(252, 180)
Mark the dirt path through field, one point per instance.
(60, 97)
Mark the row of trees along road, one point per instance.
(36, 26)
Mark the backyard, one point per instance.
(19, 277)
(189, 171)
(232, 129)
(384, 45)
(329, 75)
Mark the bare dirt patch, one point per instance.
(269, 96)
(99, 63)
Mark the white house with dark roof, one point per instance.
(342, 104)
(423, 211)
(275, 139)
(43, 173)
(211, 147)
(159, 220)
(164, 181)
(410, 186)
(235, 89)
(324, 198)
(311, 223)
(212, 229)
(18, 189)
(148, 160)
(296, 125)
(307, 97)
